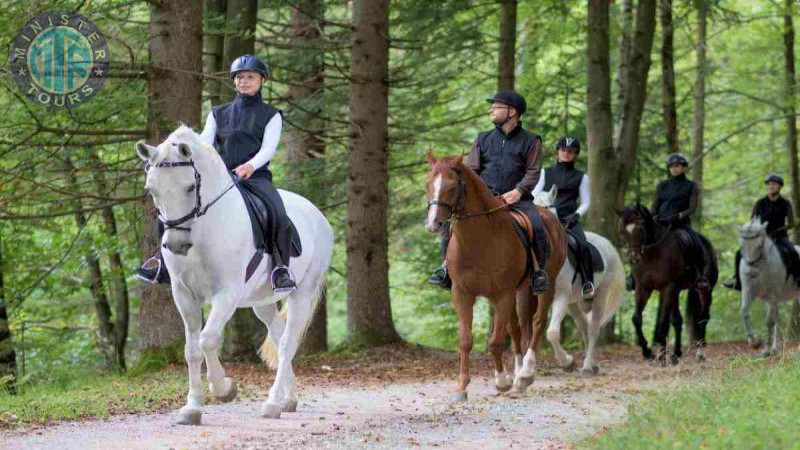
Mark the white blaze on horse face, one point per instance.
(433, 211)
(630, 227)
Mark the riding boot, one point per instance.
(281, 277)
(540, 281)
(587, 275)
(735, 283)
(153, 271)
(698, 261)
(440, 276)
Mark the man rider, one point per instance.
(508, 159)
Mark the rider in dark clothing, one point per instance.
(777, 212)
(674, 203)
(573, 186)
(246, 133)
(508, 159)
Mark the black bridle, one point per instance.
(198, 209)
(461, 196)
(642, 223)
(761, 256)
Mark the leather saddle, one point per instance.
(524, 229)
(572, 254)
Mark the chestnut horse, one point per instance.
(486, 258)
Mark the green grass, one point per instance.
(95, 396)
(752, 404)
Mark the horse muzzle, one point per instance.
(178, 248)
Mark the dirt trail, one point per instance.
(395, 399)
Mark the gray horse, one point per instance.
(764, 277)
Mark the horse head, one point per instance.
(445, 190)
(547, 199)
(175, 170)
(634, 225)
(752, 237)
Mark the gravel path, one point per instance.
(560, 408)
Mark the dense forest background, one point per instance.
(709, 78)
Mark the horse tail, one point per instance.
(615, 277)
(268, 351)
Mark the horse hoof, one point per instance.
(674, 359)
(591, 371)
(458, 396)
(525, 382)
(230, 395)
(290, 406)
(271, 411)
(570, 367)
(189, 416)
(647, 353)
(766, 353)
(519, 389)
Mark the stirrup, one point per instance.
(283, 289)
(143, 267)
(588, 294)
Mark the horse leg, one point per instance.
(299, 309)
(747, 302)
(222, 309)
(772, 330)
(667, 299)
(528, 370)
(502, 312)
(677, 325)
(516, 342)
(566, 361)
(275, 326)
(642, 295)
(463, 303)
(590, 330)
(192, 314)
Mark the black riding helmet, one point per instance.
(677, 158)
(774, 177)
(249, 63)
(511, 99)
(569, 142)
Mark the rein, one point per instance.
(462, 194)
(198, 210)
(760, 257)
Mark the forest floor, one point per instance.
(396, 397)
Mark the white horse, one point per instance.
(589, 315)
(763, 276)
(207, 247)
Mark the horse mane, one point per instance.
(456, 163)
(199, 147)
(637, 209)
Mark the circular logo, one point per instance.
(60, 59)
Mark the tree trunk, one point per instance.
(174, 95)
(119, 287)
(369, 313)
(213, 48)
(508, 40)
(240, 30)
(8, 357)
(599, 132)
(699, 96)
(626, 27)
(244, 331)
(790, 103)
(105, 325)
(668, 77)
(303, 143)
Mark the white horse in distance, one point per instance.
(589, 315)
(207, 247)
(763, 276)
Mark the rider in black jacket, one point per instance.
(777, 212)
(508, 159)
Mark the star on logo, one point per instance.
(98, 71)
(22, 71)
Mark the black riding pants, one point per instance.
(584, 256)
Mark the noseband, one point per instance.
(760, 257)
(198, 209)
(462, 194)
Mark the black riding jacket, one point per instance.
(568, 180)
(777, 212)
(507, 161)
(676, 195)
(240, 130)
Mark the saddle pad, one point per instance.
(259, 220)
(597, 260)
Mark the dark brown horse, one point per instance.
(486, 258)
(660, 264)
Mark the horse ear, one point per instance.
(145, 152)
(764, 225)
(184, 150)
(430, 157)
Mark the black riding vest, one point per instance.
(774, 212)
(240, 131)
(674, 196)
(568, 181)
(504, 158)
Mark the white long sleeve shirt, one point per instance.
(269, 142)
(585, 198)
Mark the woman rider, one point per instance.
(246, 133)
(571, 203)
